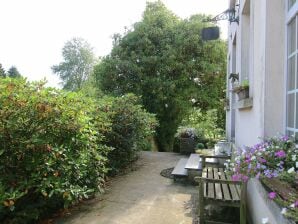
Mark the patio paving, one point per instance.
(142, 196)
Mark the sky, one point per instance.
(33, 32)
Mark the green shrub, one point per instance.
(51, 149)
(130, 131)
(206, 125)
(200, 146)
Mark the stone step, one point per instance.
(179, 169)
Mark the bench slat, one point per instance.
(179, 169)
(218, 191)
(204, 174)
(210, 185)
(225, 189)
(233, 190)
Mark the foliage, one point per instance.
(244, 85)
(207, 125)
(187, 133)
(274, 158)
(200, 146)
(130, 130)
(78, 64)
(51, 149)
(2, 72)
(163, 60)
(13, 72)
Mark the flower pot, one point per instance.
(187, 145)
(242, 92)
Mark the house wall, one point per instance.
(275, 69)
(260, 57)
(260, 47)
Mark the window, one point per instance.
(291, 3)
(292, 70)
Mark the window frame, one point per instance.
(291, 13)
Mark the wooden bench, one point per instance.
(194, 162)
(216, 187)
(179, 170)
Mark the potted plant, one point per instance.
(242, 90)
(187, 138)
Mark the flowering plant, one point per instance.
(187, 133)
(273, 159)
(268, 159)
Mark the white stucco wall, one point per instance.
(260, 38)
(275, 69)
(260, 54)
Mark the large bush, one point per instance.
(130, 132)
(51, 150)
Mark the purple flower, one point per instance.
(272, 195)
(285, 138)
(261, 160)
(296, 204)
(280, 154)
(275, 173)
(245, 178)
(236, 177)
(258, 166)
(268, 173)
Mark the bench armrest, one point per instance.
(208, 180)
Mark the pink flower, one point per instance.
(236, 177)
(245, 178)
(272, 195)
(280, 154)
(262, 160)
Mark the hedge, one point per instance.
(55, 145)
(130, 131)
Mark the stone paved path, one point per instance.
(141, 197)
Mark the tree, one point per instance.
(13, 72)
(2, 71)
(163, 60)
(78, 64)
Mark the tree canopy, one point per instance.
(13, 72)
(163, 60)
(78, 64)
(2, 71)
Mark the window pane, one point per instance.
(290, 110)
(296, 137)
(290, 133)
(292, 36)
(291, 3)
(291, 73)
